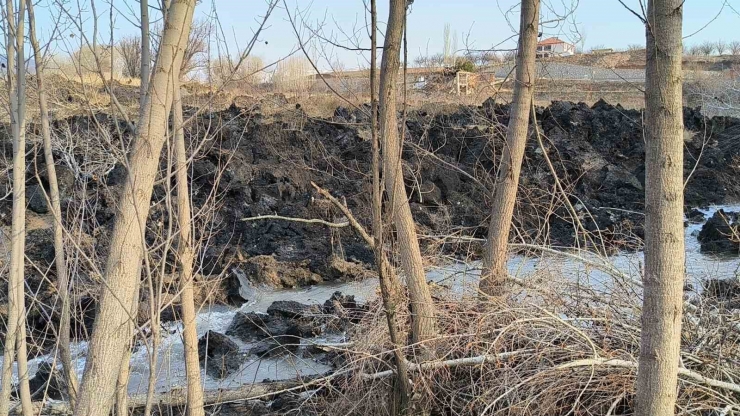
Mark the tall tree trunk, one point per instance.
(111, 332)
(60, 258)
(389, 286)
(422, 308)
(662, 309)
(186, 258)
(494, 272)
(146, 55)
(15, 338)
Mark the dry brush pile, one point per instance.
(556, 347)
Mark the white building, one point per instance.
(554, 47)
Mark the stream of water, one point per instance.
(460, 278)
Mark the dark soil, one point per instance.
(258, 165)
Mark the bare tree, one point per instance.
(292, 74)
(194, 56)
(694, 50)
(389, 285)
(129, 49)
(186, 257)
(494, 272)
(707, 48)
(734, 47)
(60, 258)
(197, 47)
(663, 279)
(424, 322)
(89, 60)
(227, 71)
(15, 338)
(720, 46)
(112, 331)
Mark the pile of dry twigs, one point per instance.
(556, 346)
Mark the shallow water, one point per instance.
(460, 278)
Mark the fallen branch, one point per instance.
(693, 375)
(458, 362)
(301, 220)
(177, 398)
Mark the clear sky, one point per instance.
(479, 24)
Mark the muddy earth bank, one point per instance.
(255, 164)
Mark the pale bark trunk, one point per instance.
(495, 254)
(186, 258)
(15, 339)
(111, 332)
(122, 384)
(146, 55)
(389, 286)
(422, 308)
(60, 258)
(663, 280)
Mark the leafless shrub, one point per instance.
(483, 58)
(429, 61)
(196, 50)
(197, 47)
(635, 47)
(707, 48)
(509, 56)
(720, 46)
(734, 47)
(693, 50)
(224, 71)
(84, 59)
(129, 49)
(292, 75)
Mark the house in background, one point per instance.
(554, 47)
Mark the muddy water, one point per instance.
(460, 278)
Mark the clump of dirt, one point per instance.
(721, 234)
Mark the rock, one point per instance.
(250, 326)
(695, 216)
(263, 348)
(47, 374)
(65, 180)
(291, 309)
(36, 200)
(344, 307)
(117, 175)
(242, 408)
(219, 354)
(267, 270)
(280, 325)
(40, 245)
(338, 302)
(340, 269)
(720, 234)
(271, 348)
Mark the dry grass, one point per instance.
(557, 347)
